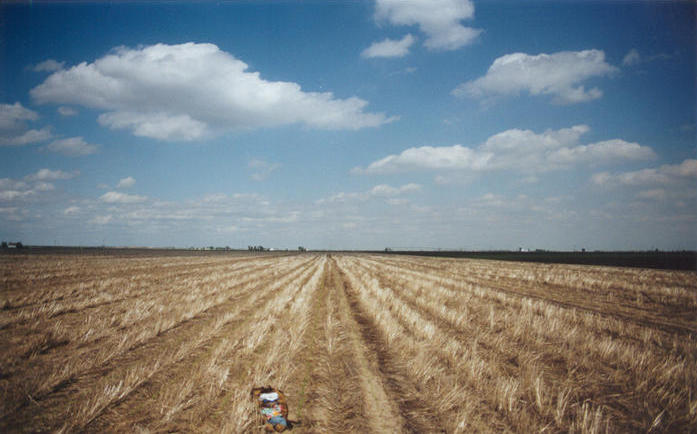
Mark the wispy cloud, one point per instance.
(101, 219)
(389, 47)
(631, 58)
(665, 174)
(634, 58)
(118, 197)
(66, 111)
(262, 169)
(51, 175)
(49, 65)
(71, 210)
(378, 191)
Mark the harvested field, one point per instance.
(359, 343)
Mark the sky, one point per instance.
(409, 124)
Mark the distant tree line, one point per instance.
(17, 245)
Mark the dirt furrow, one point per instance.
(417, 413)
(380, 411)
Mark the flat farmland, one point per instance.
(358, 342)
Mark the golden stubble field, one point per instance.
(359, 343)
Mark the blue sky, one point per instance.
(359, 125)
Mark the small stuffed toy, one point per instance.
(273, 406)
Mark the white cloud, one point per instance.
(13, 115)
(117, 197)
(66, 111)
(33, 185)
(160, 126)
(51, 175)
(389, 47)
(11, 184)
(72, 147)
(438, 19)
(127, 182)
(229, 229)
(655, 194)
(604, 151)
(387, 190)
(262, 169)
(382, 190)
(71, 210)
(665, 174)
(559, 75)
(214, 197)
(13, 130)
(26, 137)
(49, 65)
(398, 202)
(101, 219)
(522, 150)
(429, 157)
(9, 195)
(187, 91)
(44, 186)
(631, 58)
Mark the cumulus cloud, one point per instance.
(559, 75)
(126, 182)
(389, 47)
(13, 129)
(117, 197)
(188, 91)
(665, 174)
(438, 19)
(72, 147)
(517, 149)
(49, 65)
